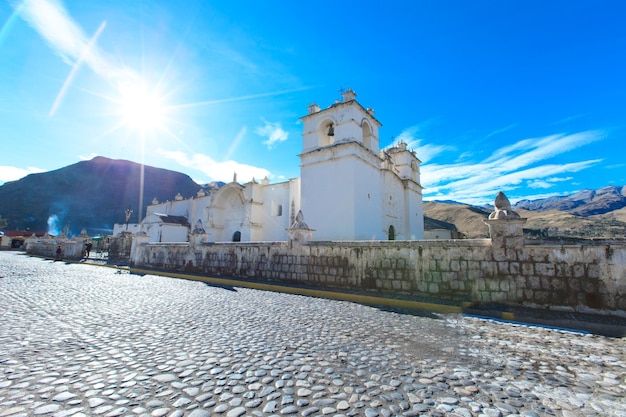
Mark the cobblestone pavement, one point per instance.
(81, 340)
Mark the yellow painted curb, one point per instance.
(357, 298)
(508, 316)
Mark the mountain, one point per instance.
(555, 223)
(467, 219)
(90, 194)
(583, 203)
(587, 213)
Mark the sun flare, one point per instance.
(140, 107)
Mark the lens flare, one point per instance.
(140, 107)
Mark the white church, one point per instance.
(349, 189)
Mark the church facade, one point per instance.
(349, 189)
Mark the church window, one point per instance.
(367, 135)
(279, 210)
(392, 233)
(237, 236)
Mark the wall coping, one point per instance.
(341, 243)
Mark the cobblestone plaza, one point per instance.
(84, 340)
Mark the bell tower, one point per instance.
(340, 171)
(343, 121)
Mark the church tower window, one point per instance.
(367, 135)
(326, 133)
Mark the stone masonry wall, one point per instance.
(587, 275)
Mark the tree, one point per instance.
(3, 223)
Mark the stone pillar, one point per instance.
(507, 234)
(198, 235)
(138, 240)
(506, 227)
(299, 233)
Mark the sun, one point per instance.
(141, 108)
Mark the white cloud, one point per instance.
(502, 130)
(8, 173)
(540, 184)
(425, 152)
(520, 165)
(273, 132)
(65, 37)
(217, 171)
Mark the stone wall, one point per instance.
(587, 275)
(70, 249)
(582, 275)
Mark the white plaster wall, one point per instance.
(437, 234)
(393, 205)
(367, 213)
(151, 226)
(198, 210)
(295, 205)
(310, 129)
(118, 228)
(327, 195)
(415, 212)
(341, 197)
(274, 225)
(174, 233)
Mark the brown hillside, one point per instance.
(619, 215)
(550, 223)
(467, 219)
(555, 223)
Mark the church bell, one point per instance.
(331, 131)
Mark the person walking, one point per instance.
(88, 247)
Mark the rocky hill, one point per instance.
(467, 219)
(583, 203)
(89, 194)
(588, 213)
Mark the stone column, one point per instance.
(506, 227)
(138, 240)
(198, 235)
(299, 233)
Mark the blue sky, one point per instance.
(525, 97)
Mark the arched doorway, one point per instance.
(227, 213)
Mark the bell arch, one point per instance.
(326, 132)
